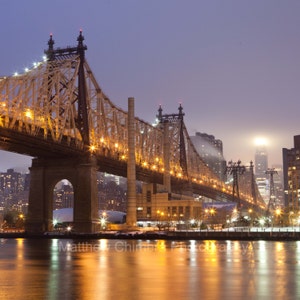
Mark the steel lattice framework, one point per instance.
(44, 102)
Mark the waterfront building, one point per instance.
(154, 205)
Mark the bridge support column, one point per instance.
(131, 217)
(44, 175)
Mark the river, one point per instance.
(148, 269)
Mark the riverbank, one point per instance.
(283, 235)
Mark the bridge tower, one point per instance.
(253, 183)
(271, 203)
(81, 170)
(172, 125)
(235, 169)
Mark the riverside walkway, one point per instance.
(239, 233)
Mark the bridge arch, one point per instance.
(63, 194)
(44, 175)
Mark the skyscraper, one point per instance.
(260, 168)
(261, 162)
(211, 151)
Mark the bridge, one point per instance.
(57, 113)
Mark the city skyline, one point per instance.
(234, 66)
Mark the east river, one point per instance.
(148, 269)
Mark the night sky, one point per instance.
(233, 64)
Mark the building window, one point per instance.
(148, 212)
(148, 196)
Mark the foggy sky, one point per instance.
(233, 64)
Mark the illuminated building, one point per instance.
(291, 174)
(261, 162)
(260, 168)
(12, 191)
(154, 205)
(278, 184)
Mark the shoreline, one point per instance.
(171, 235)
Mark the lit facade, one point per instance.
(291, 173)
(156, 206)
(260, 168)
(278, 185)
(13, 194)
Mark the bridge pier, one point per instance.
(45, 174)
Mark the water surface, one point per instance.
(137, 269)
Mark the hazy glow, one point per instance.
(260, 141)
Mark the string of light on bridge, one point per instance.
(35, 65)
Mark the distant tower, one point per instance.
(261, 162)
(261, 165)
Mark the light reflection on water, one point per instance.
(140, 269)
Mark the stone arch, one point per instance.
(45, 173)
(63, 198)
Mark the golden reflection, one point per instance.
(134, 269)
(103, 244)
(20, 248)
(211, 249)
(279, 247)
(279, 253)
(161, 245)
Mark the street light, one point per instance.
(212, 211)
(261, 222)
(103, 220)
